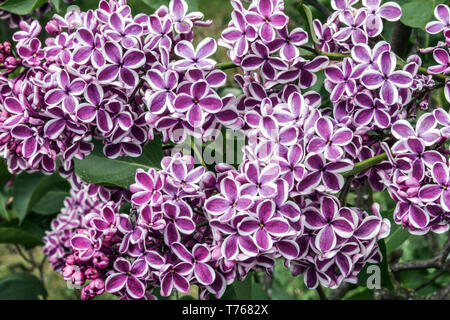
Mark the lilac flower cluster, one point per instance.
(419, 176)
(174, 238)
(442, 49)
(188, 226)
(89, 81)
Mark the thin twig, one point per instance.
(431, 280)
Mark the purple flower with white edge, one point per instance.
(239, 34)
(195, 58)
(105, 222)
(390, 11)
(147, 188)
(199, 257)
(442, 14)
(329, 223)
(261, 58)
(260, 181)
(163, 85)
(86, 245)
(284, 207)
(177, 276)
(229, 202)
(120, 30)
(27, 31)
(367, 57)
(371, 110)
(265, 227)
(330, 141)
(150, 219)
(303, 70)
(121, 65)
(354, 28)
(184, 175)
(319, 171)
(442, 57)
(88, 48)
(182, 20)
(291, 166)
(439, 192)
(268, 18)
(133, 235)
(176, 223)
(287, 43)
(128, 276)
(425, 130)
(388, 79)
(66, 93)
(92, 110)
(31, 52)
(199, 101)
(344, 80)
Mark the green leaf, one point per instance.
(28, 189)
(397, 236)
(4, 173)
(97, 169)
(26, 234)
(21, 7)
(417, 13)
(57, 4)
(246, 289)
(21, 286)
(385, 277)
(3, 212)
(51, 203)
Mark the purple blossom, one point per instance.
(239, 34)
(330, 141)
(344, 80)
(265, 227)
(442, 14)
(147, 189)
(261, 58)
(440, 191)
(267, 18)
(388, 79)
(329, 224)
(199, 257)
(229, 202)
(319, 170)
(200, 100)
(129, 277)
(353, 29)
(390, 11)
(287, 43)
(175, 276)
(195, 58)
(120, 65)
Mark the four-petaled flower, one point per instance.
(120, 64)
(128, 276)
(388, 79)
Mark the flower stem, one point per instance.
(226, 65)
(362, 165)
(197, 153)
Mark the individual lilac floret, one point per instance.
(442, 14)
(388, 79)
